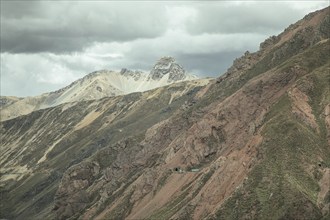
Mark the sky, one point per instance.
(46, 45)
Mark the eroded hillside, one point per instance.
(252, 145)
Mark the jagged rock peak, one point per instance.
(167, 66)
(130, 73)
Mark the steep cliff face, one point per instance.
(253, 144)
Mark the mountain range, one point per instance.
(251, 144)
(97, 85)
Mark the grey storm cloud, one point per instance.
(59, 27)
(213, 63)
(45, 45)
(71, 26)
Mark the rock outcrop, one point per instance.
(71, 197)
(167, 66)
(136, 75)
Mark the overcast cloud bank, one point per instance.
(47, 45)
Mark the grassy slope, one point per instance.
(278, 186)
(281, 172)
(284, 185)
(33, 196)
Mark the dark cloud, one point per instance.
(45, 45)
(60, 27)
(213, 64)
(20, 9)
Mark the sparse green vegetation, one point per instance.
(188, 192)
(121, 210)
(163, 179)
(172, 207)
(280, 187)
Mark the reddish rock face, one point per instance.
(202, 156)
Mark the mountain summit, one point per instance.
(167, 67)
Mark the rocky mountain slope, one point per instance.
(253, 144)
(98, 85)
